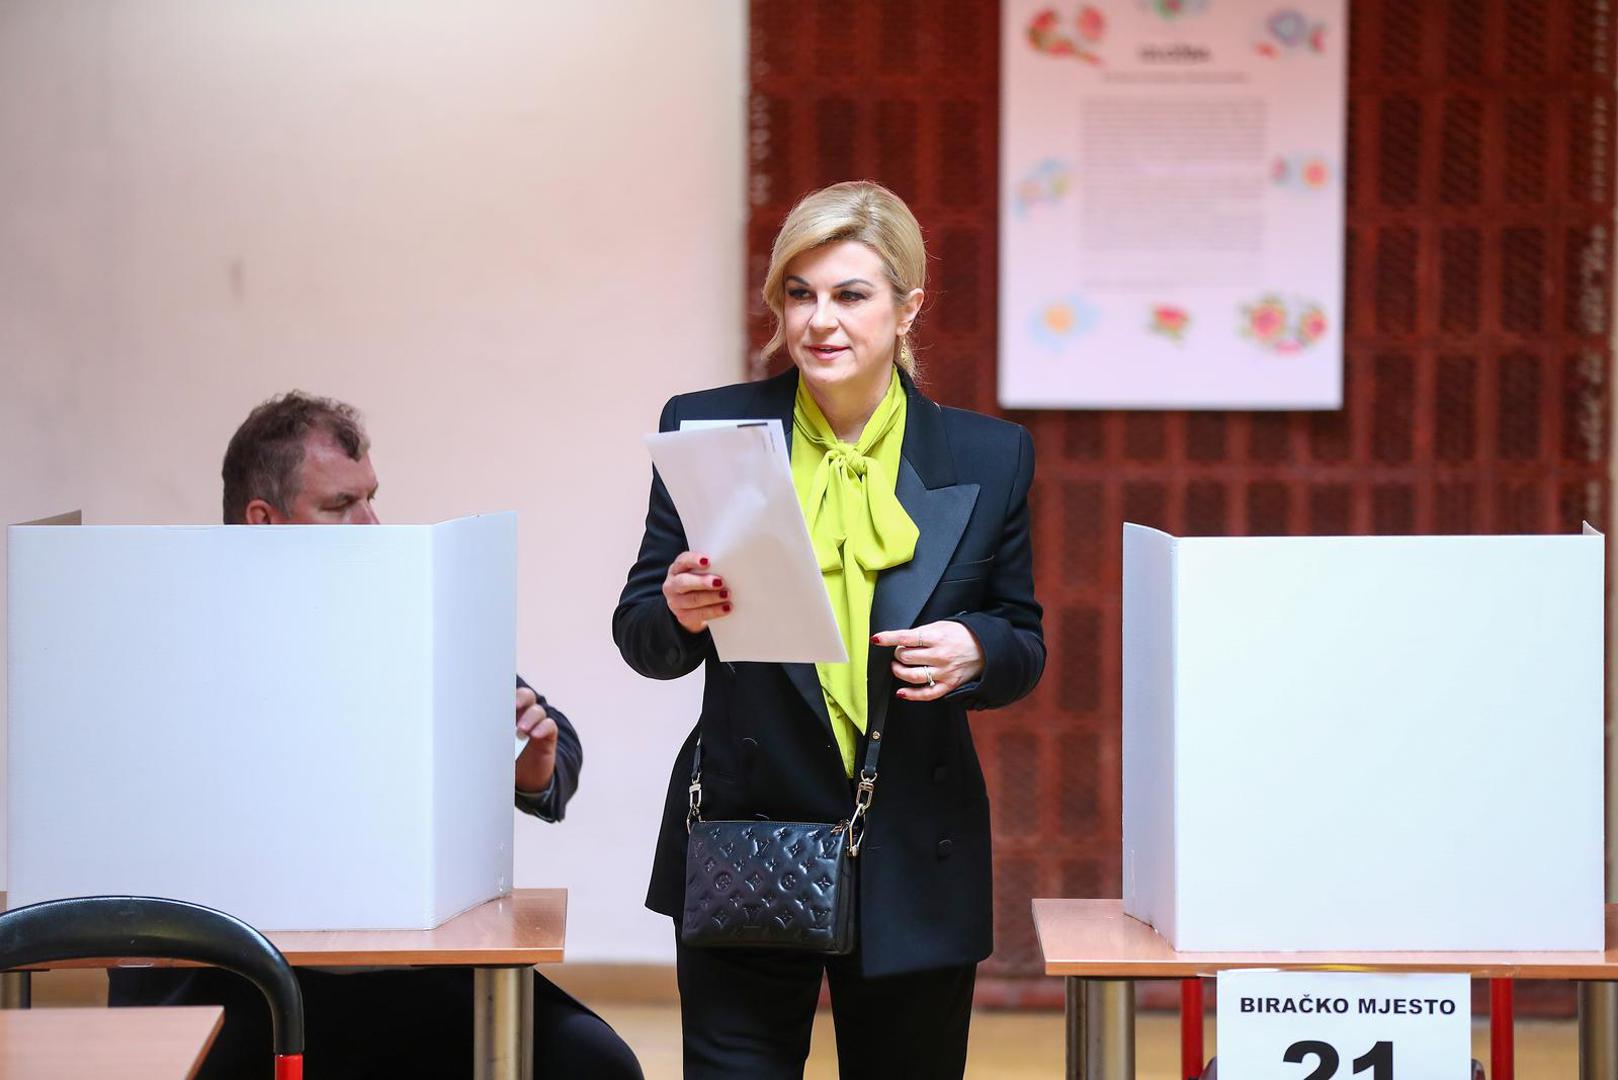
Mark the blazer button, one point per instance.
(941, 774)
(943, 848)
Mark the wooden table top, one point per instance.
(164, 1043)
(1095, 939)
(526, 927)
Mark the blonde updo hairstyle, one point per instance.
(853, 210)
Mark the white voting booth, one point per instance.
(310, 728)
(1364, 743)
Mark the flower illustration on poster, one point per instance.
(1169, 10)
(1049, 35)
(1283, 325)
(1170, 321)
(1287, 32)
(1059, 322)
(1301, 172)
(1044, 185)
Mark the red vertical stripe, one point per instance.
(1191, 1028)
(1502, 1050)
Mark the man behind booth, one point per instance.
(304, 460)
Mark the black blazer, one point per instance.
(768, 750)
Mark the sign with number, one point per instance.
(1328, 1025)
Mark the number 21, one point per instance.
(1379, 1059)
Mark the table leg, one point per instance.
(1073, 1010)
(502, 1023)
(16, 990)
(1100, 1029)
(1598, 1031)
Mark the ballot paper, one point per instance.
(732, 485)
(777, 433)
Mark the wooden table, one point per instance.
(500, 940)
(1100, 951)
(132, 1044)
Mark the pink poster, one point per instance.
(1171, 205)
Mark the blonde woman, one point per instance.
(919, 518)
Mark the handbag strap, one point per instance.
(864, 790)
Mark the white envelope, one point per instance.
(731, 482)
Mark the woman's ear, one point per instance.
(909, 309)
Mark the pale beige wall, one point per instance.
(507, 230)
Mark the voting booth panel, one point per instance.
(1364, 743)
(307, 727)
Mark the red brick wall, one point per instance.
(1479, 280)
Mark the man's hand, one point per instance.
(537, 762)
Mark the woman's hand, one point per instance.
(693, 593)
(933, 660)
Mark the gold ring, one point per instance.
(929, 672)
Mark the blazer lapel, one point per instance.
(940, 515)
(940, 508)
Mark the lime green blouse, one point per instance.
(859, 529)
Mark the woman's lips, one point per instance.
(826, 352)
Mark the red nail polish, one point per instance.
(718, 583)
(873, 639)
(727, 607)
(724, 594)
(705, 560)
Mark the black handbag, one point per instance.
(775, 884)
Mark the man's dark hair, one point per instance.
(264, 455)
